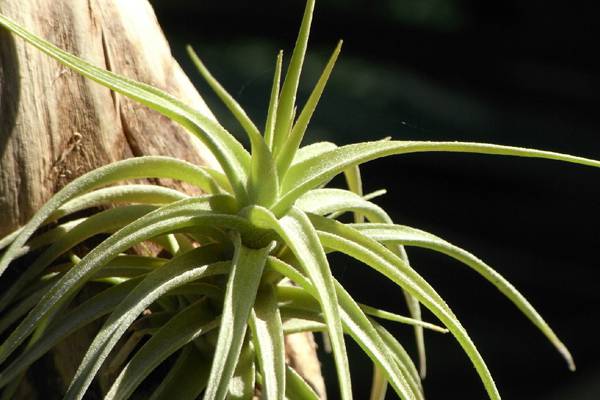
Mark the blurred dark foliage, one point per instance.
(512, 72)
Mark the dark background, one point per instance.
(510, 72)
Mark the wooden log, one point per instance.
(56, 125)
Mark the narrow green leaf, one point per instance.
(382, 314)
(399, 353)
(48, 237)
(355, 323)
(190, 323)
(177, 216)
(263, 185)
(133, 168)
(243, 381)
(180, 270)
(414, 309)
(337, 201)
(296, 321)
(351, 242)
(128, 266)
(375, 194)
(18, 311)
(230, 154)
(289, 147)
(267, 334)
(296, 387)
(312, 172)
(413, 237)
(312, 150)
(244, 278)
(186, 378)
(290, 300)
(135, 193)
(299, 234)
(88, 311)
(287, 99)
(8, 239)
(273, 102)
(328, 201)
(354, 182)
(233, 106)
(103, 222)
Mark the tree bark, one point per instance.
(56, 125)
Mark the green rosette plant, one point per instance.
(241, 266)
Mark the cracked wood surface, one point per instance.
(56, 125)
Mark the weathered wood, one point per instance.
(56, 125)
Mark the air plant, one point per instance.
(241, 265)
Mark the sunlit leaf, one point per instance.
(287, 99)
(312, 172)
(246, 270)
(288, 149)
(273, 102)
(355, 323)
(263, 183)
(133, 168)
(298, 233)
(267, 333)
(414, 237)
(349, 241)
(103, 222)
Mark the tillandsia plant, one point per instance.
(241, 266)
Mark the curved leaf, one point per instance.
(297, 388)
(229, 153)
(180, 270)
(398, 352)
(177, 216)
(244, 278)
(186, 378)
(299, 234)
(351, 242)
(243, 381)
(312, 172)
(103, 222)
(88, 311)
(337, 201)
(18, 311)
(134, 193)
(190, 323)
(355, 323)
(263, 184)
(413, 237)
(326, 201)
(133, 168)
(378, 385)
(312, 150)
